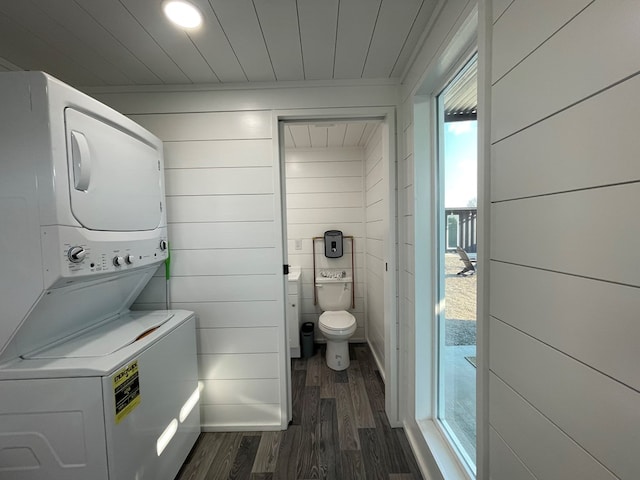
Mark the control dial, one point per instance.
(118, 261)
(76, 254)
(129, 259)
(163, 244)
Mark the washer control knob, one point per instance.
(163, 244)
(76, 254)
(118, 261)
(129, 259)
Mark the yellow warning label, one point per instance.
(126, 388)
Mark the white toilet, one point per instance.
(336, 324)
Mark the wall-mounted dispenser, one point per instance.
(333, 244)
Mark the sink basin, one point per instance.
(294, 274)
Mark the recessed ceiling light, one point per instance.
(182, 13)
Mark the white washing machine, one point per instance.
(88, 388)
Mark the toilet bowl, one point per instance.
(337, 327)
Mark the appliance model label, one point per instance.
(126, 388)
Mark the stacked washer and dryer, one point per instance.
(88, 388)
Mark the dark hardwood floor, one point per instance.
(339, 431)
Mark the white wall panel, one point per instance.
(577, 148)
(246, 391)
(324, 215)
(525, 26)
(244, 261)
(238, 340)
(499, 7)
(552, 82)
(235, 313)
(324, 185)
(580, 233)
(324, 200)
(219, 181)
(597, 412)
(593, 322)
(218, 153)
(545, 450)
(331, 154)
(196, 236)
(505, 465)
(224, 288)
(355, 229)
(329, 169)
(220, 208)
(237, 367)
(207, 125)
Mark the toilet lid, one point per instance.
(339, 320)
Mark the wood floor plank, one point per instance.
(298, 378)
(224, 458)
(360, 398)
(267, 454)
(307, 462)
(373, 455)
(375, 390)
(288, 454)
(299, 363)
(347, 430)
(200, 458)
(352, 466)
(402, 476)
(327, 382)
(341, 376)
(313, 370)
(392, 452)
(408, 453)
(245, 456)
(328, 440)
(262, 476)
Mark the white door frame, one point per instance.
(388, 115)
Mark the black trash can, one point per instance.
(306, 339)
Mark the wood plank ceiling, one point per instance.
(328, 135)
(129, 42)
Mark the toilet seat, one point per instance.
(337, 320)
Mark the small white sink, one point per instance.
(294, 274)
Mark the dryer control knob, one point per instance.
(163, 244)
(118, 261)
(129, 259)
(76, 254)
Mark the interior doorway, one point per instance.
(334, 176)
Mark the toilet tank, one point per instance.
(334, 293)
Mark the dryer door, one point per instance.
(115, 178)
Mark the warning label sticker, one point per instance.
(126, 388)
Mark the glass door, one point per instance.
(457, 167)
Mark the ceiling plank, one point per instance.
(213, 44)
(91, 33)
(240, 23)
(419, 26)
(288, 138)
(354, 133)
(41, 25)
(366, 134)
(18, 45)
(279, 22)
(336, 135)
(173, 41)
(318, 22)
(114, 17)
(301, 137)
(319, 136)
(356, 21)
(394, 22)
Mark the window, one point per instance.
(457, 180)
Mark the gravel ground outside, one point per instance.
(460, 306)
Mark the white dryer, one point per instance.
(88, 388)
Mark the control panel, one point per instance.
(81, 257)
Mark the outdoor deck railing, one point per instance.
(461, 228)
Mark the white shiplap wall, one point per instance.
(224, 239)
(221, 208)
(564, 384)
(325, 192)
(376, 226)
